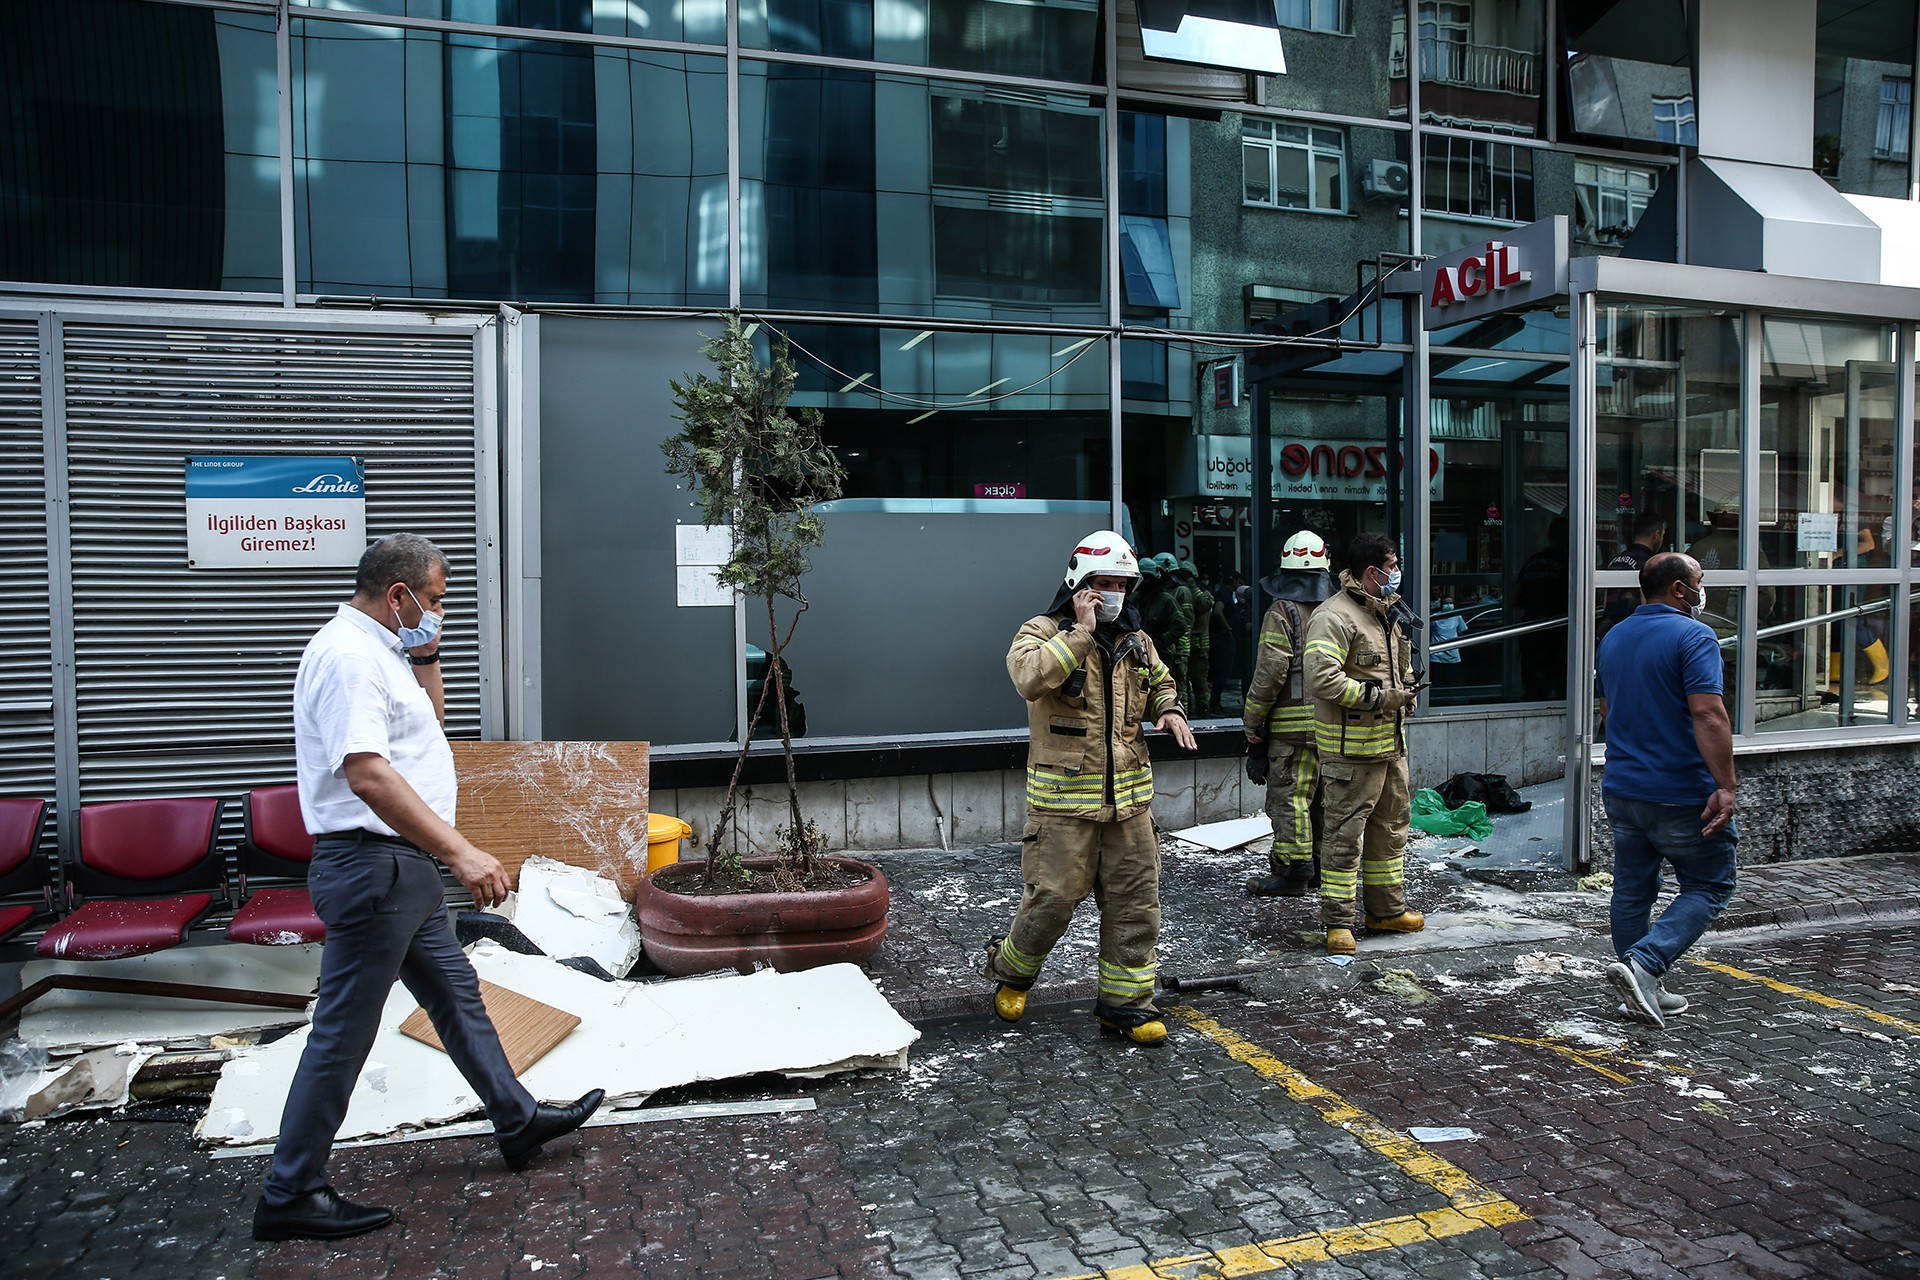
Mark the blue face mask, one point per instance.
(424, 633)
(1393, 582)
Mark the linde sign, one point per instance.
(1323, 470)
(258, 513)
(1524, 267)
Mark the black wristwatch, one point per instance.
(426, 660)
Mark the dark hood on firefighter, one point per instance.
(1308, 586)
(1129, 619)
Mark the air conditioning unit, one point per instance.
(1386, 178)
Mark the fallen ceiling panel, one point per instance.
(633, 1040)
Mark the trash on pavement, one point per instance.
(570, 911)
(1445, 1133)
(1597, 881)
(1430, 813)
(1231, 834)
(1402, 985)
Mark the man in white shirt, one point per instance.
(377, 791)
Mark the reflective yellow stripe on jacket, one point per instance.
(1052, 791)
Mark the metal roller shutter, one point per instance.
(183, 677)
(26, 649)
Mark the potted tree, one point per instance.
(759, 469)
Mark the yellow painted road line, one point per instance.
(1589, 1058)
(1788, 989)
(1472, 1205)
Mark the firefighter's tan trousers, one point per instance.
(1061, 861)
(1293, 778)
(1365, 811)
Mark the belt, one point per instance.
(360, 835)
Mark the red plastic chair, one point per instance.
(277, 849)
(149, 869)
(23, 872)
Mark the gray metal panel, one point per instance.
(1788, 222)
(1717, 287)
(1755, 79)
(183, 678)
(26, 645)
(619, 660)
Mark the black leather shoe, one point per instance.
(318, 1215)
(547, 1124)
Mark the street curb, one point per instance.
(1832, 911)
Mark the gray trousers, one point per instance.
(382, 902)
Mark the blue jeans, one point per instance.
(1644, 835)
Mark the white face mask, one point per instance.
(424, 631)
(1110, 605)
(1696, 607)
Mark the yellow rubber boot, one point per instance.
(1405, 922)
(1009, 1004)
(1876, 655)
(1340, 942)
(1142, 1026)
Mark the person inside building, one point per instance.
(1229, 639)
(1541, 592)
(1869, 630)
(1196, 696)
(1649, 535)
(377, 790)
(1090, 677)
(1669, 785)
(1170, 619)
(1278, 717)
(1360, 671)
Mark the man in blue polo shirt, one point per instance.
(1669, 782)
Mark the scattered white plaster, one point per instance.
(633, 1040)
(1221, 836)
(570, 911)
(74, 1021)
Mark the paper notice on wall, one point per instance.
(1818, 531)
(698, 585)
(707, 544)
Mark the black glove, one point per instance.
(1257, 763)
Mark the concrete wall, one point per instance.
(1817, 803)
(879, 814)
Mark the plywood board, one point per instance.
(581, 803)
(526, 1027)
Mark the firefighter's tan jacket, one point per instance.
(1354, 651)
(1279, 705)
(1087, 754)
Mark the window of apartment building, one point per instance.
(1293, 166)
(1673, 121)
(1473, 178)
(1446, 31)
(1893, 130)
(1314, 15)
(1609, 199)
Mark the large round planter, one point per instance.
(687, 933)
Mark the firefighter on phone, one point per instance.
(1090, 677)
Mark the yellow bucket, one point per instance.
(664, 833)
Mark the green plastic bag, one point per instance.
(1430, 813)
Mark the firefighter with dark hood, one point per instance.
(1091, 677)
(1360, 672)
(1278, 717)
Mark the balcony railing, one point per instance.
(1471, 66)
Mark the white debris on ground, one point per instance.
(633, 1040)
(570, 911)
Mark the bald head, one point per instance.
(1662, 577)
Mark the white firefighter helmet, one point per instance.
(1304, 551)
(1102, 552)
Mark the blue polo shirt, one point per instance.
(1647, 665)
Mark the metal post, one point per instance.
(283, 74)
(65, 683)
(1582, 467)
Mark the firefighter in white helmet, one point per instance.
(1278, 717)
(1091, 677)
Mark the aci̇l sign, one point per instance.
(1524, 267)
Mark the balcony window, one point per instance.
(1893, 129)
(1673, 121)
(1314, 15)
(1469, 178)
(1290, 166)
(1609, 199)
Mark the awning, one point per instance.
(1788, 222)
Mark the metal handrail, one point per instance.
(1488, 637)
(1783, 628)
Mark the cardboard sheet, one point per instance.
(633, 1040)
(528, 1029)
(582, 803)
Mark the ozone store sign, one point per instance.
(263, 513)
(1524, 267)
(1308, 470)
